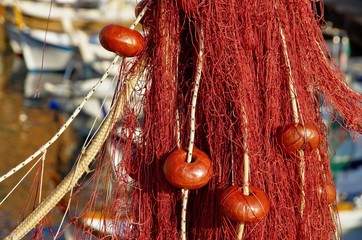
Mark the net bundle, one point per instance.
(253, 53)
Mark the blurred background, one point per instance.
(39, 89)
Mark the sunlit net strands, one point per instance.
(257, 117)
(89, 153)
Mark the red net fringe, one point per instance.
(244, 69)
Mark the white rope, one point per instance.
(293, 97)
(42, 175)
(185, 192)
(246, 169)
(63, 128)
(69, 182)
(65, 214)
(83, 165)
(75, 113)
(20, 181)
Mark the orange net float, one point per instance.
(312, 137)
(121, 40)
(328, 192)
(182, 174)
(244, 208)
(295, 137)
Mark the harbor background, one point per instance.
(28, 121)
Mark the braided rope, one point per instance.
(293, 97)
(185, 192)
(76, 111)
(75, 174)
(246, 166)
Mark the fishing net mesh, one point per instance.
(244, 98)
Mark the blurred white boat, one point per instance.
(95, 108)
(98, 13)
(68, 89)
(48, 34)
(350, 220)
(34, 82)
(45, 51)
(67, 95)
(14, 38)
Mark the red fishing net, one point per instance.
(259, 58)
(253, 52)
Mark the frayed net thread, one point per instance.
(245, 74)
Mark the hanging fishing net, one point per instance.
(216, 130)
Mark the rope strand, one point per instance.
(185, 192)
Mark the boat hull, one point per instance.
(43, 55)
